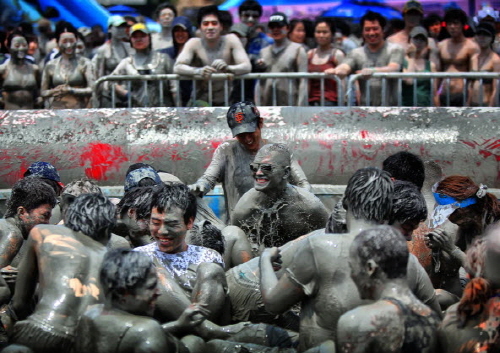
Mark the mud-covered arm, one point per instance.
(242, 61)
(182, 65)
(28, 277)
(297, 176)
(280, 295)
(213, 174)
(10, 244)
(45, 90)
(4, 291)
(421, 285)
(88, 72)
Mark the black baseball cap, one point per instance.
(243, 117)
(279, 18)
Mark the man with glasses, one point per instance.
(231, 160)
(275, 212)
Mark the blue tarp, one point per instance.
(355, 10)
(235, 3)
(81, 13)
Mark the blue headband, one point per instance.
(442, 200)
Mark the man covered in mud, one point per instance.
(231, 160)
(397, 321)
(212, 53)
(30, 203)
(64, 261)
(318, 273)
(275, 212)
(129, 282)
(196, 270)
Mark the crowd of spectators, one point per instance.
(57, 69)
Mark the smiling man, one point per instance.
(212, 53)
(275, 212)
(377, 55)
(231, 160)
(197, 270)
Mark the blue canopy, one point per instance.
(356, 9)
(229, 4)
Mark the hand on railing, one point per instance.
(205, 72)
(220, 65)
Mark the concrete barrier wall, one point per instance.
(330, 143)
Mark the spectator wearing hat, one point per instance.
(145, 61)
(484, 93)
(164, 15)
(376, 55)
(417, 59)
(212, 53)
(282, 56)
(433, 25)
(231, 159)
(111, 53)
(413, 14)
(456, 55)
(182, 31)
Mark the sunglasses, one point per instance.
(266, 168)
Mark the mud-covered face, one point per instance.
(210, 27)
(67, 43)
(169, 230)
(454, 28)
(277, 31)
(39, 215)
(18, 47)
(250, 17)
(420, 42)
(166, 17)
(80, 47)
(120, 32)
(483, 39)
(250, 140)
(143, 299)
(269, 171)
(413, 18)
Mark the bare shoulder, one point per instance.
(193, 43)
(232, 39)
(146, 335)
(375, 325)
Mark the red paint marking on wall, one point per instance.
(364, 134)
(102, 159)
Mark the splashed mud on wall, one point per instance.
(330, 143)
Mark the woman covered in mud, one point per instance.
(19, 79)
(67, 80)
(472, 209)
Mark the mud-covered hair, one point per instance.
(30, 192)
(92, 214)
(386, 246)
(408, 203)
(280, 148)
(139, 199)
(206, 234)
(122, 271)
(462, 187)
(455, 14)
(64, 27)
(368, 195)
(178, 195)
(405, 166)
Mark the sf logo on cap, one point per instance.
(239, 117)
(276, 18)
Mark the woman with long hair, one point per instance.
(67, 80)
(470, 207)
(19, 79)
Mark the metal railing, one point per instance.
(432, 76)
(290, 76)
(393, 78)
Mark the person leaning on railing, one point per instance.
(418, 60)
(377, 55)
